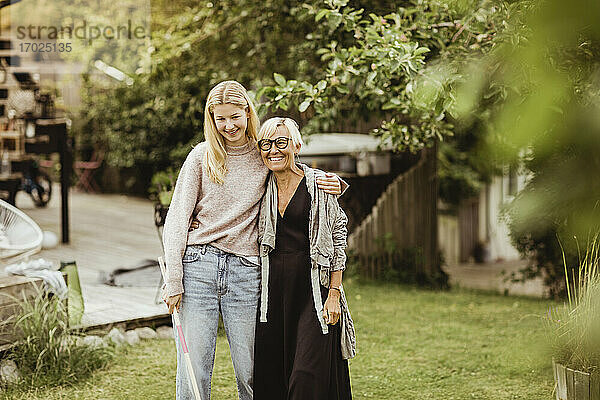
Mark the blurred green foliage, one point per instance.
(163, 185)
(543, 78)
(536, 96)
(88, 20)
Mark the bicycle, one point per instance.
(36, 183)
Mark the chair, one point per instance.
(85, 173)
(20, 236)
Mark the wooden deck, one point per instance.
(107, 232)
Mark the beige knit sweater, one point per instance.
(227, 213)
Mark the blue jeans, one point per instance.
(216, 281)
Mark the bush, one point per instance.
(46, 351)
(163, 185)
(395, 264)
(541, 220)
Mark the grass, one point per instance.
(45, 349)
(412, 344)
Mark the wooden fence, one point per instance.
(404, 217)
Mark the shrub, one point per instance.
(163, 185)
(394, 264)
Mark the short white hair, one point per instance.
(270, 126)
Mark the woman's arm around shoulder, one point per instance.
(330, 183)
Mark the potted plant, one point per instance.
(161, 191)
(575, 331)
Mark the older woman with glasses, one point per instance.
(304, 335)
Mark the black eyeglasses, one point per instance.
(281, 143)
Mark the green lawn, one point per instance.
(412, 344)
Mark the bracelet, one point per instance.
(335, 288)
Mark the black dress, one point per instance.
(293, 359)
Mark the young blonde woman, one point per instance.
(305, 333)
(215, 269)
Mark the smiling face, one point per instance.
(276, 159)
(231, 122)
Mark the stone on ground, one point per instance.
(146, 333)
(9, 372)
(132, 338)
(92, 341)
(116, 336)
(164, 332)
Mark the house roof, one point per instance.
(340, 143)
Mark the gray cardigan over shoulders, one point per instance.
(327, 235)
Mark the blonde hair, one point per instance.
(226, 92)
(270, 126)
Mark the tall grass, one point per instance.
(575, 327)
(46, 350)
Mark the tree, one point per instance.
(398, 71)
(153, 124)
(92, 30)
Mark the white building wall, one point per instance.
(495, 230)
(448, 238)
(492, 229)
